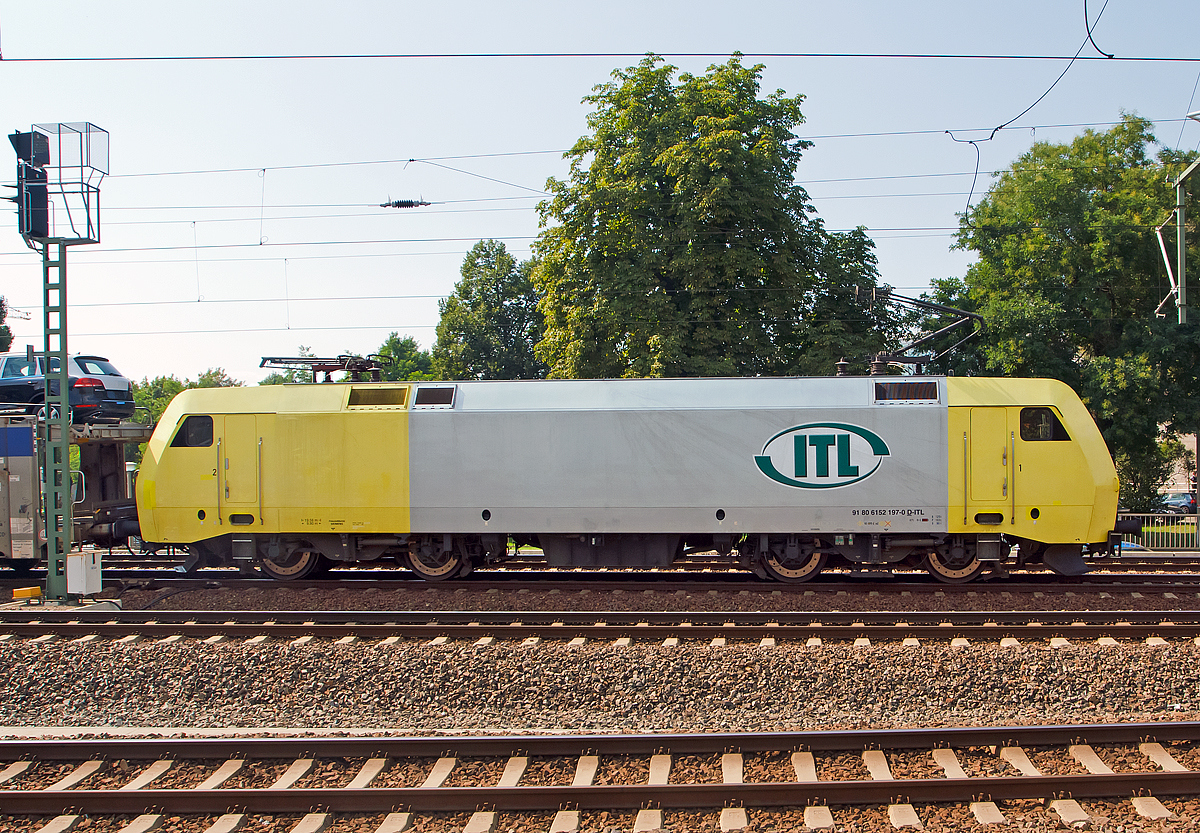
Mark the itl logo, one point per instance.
(822, 455)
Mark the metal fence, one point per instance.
(1170, 533)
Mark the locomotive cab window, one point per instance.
(196, 432)
(1039, 424)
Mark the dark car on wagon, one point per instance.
(98, 391)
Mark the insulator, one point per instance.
(403, 204)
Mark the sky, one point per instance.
(241, 217)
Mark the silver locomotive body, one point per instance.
(633, 472)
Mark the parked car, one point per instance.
(1183, 504)
(99, 393)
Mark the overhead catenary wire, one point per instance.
(287, 299)
(309, 165)
(262, 170)
(269, 256)
(879, 233)
(375, 56)
(975, 142)
(1184, 121)
(503, 154)
(107, 333)
(266, 244)
(359, 215)
(373, 213)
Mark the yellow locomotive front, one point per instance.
(230, 467)
(1028, 463)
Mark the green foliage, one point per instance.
(408, 361)
(680, 244)
(216, 377)
(1069, 277)
(5, 332)
(491, 322)
(836, 319)
(155, 395)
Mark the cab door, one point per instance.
(178, 493)
(240, 468)
(989, 467)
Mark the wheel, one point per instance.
(799, 564)
(297, 564)
(22, 566)
(952, 570)
(430, 560)
(41, 412)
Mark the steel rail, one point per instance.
(473, 746)
(1161, 569)
(599, 631)
(1077, 620)
(606, 797)
(697, 583)
(393, 580)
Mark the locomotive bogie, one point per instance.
(785, 475)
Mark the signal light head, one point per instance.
(32, 148)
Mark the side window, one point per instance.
(1039, 424)
(17, 368)
(196, 432)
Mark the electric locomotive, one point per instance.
(787, 475)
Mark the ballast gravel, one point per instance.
(414, 687)
(113, 824)
(549, 772)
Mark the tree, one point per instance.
(1069, 278)
(5, 332)
(681, 244)
(156, 394)
(216, 377)
(490, 323)
(408, 361)
(837, 318)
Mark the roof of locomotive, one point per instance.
(571, 394)
(635, 394)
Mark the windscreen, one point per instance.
(96, 366)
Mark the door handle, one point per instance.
(1012, 438)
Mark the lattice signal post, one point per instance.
(59, 169)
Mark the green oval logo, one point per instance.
(822, 455)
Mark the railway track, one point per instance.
(1129, 560)
(570, 778)
(579, 627)
(518, 581)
